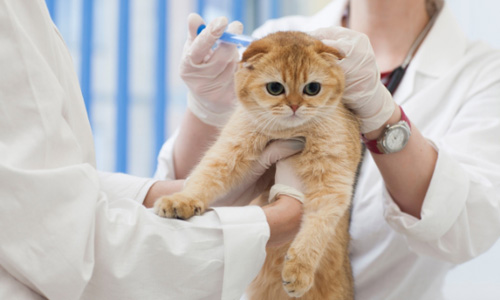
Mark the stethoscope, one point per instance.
(397, 74)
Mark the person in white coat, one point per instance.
(427, 195)
(70, 232)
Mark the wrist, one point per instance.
(377, 110)
(284, 217)
(393, 138)
(206, 115)
(394, 118)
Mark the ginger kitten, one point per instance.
(289, 85)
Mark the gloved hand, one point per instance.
(364, 92)
(258, 178)
(209, 72)
(286, 182)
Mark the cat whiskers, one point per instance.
(264, 121)
(266, 124)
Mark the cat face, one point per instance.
(288, 79)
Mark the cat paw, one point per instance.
(178, 206)
(297, 276)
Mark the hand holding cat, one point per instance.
(209, 72)
(364, 92)
(286, 182)
(258, 179)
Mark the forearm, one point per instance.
(194, 139)
(407, 174)
(284, 217)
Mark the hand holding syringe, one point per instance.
(237, 39)
(208, 69)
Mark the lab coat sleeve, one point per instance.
(147, 257)
(460, 217)
(120, 186)
(165, 168)
(61, 235)
(73, 243)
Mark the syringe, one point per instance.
(237, 39)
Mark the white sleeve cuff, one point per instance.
(246, 233)
(282, 189)
(123, 186)
(444, 201)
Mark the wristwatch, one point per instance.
(393, 139)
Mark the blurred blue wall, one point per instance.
(127, 53)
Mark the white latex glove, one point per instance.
(258, 178)
(364, 92)
(286, 182)
(209, 72)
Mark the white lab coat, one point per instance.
(68, 232)
(451, 92)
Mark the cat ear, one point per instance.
(253, 53)
(328, 52)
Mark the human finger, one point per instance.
(204, 42)
(280, 149)
(235, 27)
(194, 22)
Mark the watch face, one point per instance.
(396, 138)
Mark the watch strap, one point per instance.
(372, 145)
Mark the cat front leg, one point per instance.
(323, 211)
(223, 167)
(214, 177)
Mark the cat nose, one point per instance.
(294, 107)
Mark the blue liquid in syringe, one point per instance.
(237, 39)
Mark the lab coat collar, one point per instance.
(444, 45)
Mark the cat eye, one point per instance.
(275, 88)
(312, 88)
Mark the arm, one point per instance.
(407, 174)
(443, 197)
(209, 76)
(460, 215)
(284, 217)
(184, 148)
(101, 249)
(194, 138)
